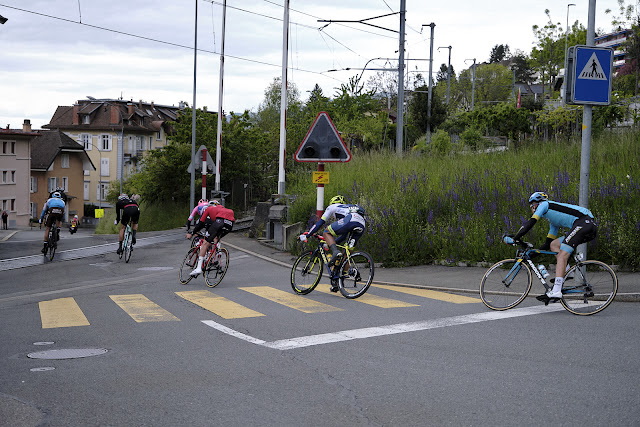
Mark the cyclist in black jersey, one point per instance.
(130, 211)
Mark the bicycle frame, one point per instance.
(345, 252)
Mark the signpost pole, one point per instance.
(320, 197)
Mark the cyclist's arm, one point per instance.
(525, 228)
(118, 207)
(194, 212)
(44, 210)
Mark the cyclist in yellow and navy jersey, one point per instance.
(349, 218)
(581, 227)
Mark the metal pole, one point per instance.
(220, 92)
(400, 119)
(566, 33)
(587, 115)
(473, 85)
(283, 99)
(432, 25)
(448, 70)
(193, 115)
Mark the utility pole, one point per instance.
(400, 119)
(448, 71)
(473, 82)
(193, 115)
(283, 99)
(220, 93)
(432, 25)
(566, 32)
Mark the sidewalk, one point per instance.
(434, 277)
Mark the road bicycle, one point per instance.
(52, 242)
(214, 266)
(127, 244)
(589, 286)
(197, 237)
(352, 273)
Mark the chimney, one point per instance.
(26, 126)
(76, 117)
(140, 104)
(130, 108)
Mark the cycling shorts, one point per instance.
(130, 212)
(218, 228)
(583, 230)
(54, 214)
(342, 227)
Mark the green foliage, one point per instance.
(457, 207)
(153, 217)
(472, 138)
(440, 143)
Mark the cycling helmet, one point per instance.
(201, 201)
(538, 197)
(56, 195)
(213, 202)
(123, 197)
(336, 199)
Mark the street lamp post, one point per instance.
(566, 32)
(448, 70)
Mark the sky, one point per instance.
(56, 52)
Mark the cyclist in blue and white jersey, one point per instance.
(54, 207)
(348, 218)
(581, 227)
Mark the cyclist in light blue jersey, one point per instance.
(577, 220)
(54, 207)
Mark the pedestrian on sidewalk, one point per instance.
(5, 218)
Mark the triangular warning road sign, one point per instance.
(323, 143)
(592, 70)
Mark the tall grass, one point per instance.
(153, 217)
(422, 208)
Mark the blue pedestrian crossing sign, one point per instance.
(590, 74)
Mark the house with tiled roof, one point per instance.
(57, 161)
(15, 152)
(115, 134)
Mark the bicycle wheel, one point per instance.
(505, 285)
(128, 249)
(52, 247)
(589, 287)
(356, 275)
(216, 267)
(188, 264)
(306, 272)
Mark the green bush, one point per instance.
(153, 217)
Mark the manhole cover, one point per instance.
(68, 353)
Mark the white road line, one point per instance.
(348, 335)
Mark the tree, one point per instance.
(548, 55)
(418, 107)
(498, 53)
(520, 64)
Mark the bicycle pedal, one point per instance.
(543, 298)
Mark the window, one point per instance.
(158, 136)
(8, 147)
(52, 183)
(33, 208)
(102, 190)
(64, 161)
(34, 184)
(65, 184)
(85, 139)
(85, 119)
(86, 172)
(86, 190)
(13, 205)
(8, 177)
(105, 142)
(141, 143)
(104, 166)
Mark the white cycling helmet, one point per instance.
(123, 197)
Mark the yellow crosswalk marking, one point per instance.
(426, 293)
(61, 313)
(290, 300)
(142, 309)
(370, 299)
(218, 305)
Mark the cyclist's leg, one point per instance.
(209, 235)
(583, 230)
(135, 217)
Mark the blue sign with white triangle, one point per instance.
(592, 73)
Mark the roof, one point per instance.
(113, 115)
(49, 144)
(17, 133)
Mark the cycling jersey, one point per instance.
(55, 205)
(130, 210)
(560, 215)
(217, 211)
(349, 218)
(198, 210)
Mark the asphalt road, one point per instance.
(250, 352)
